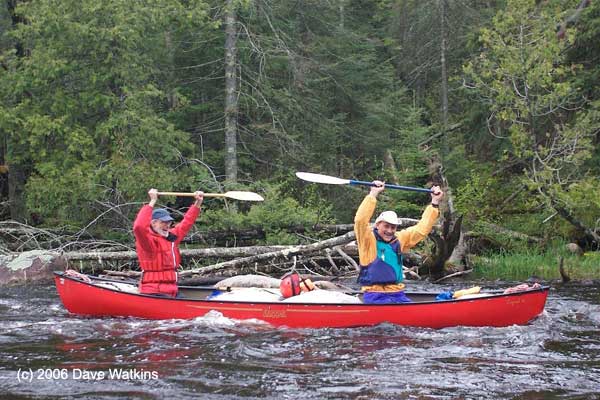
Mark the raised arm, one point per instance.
(182, 228)
(411, 236)
(367, 249)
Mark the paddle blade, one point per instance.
(245, 196)
(236, 195)
(318, 178)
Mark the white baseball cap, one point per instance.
(388, 216)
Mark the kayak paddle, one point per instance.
(332, 180)
(237, 195)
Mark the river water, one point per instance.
(45, 353)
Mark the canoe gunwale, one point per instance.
(491, 295)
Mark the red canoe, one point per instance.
(103, 297)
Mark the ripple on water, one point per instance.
(554, 356)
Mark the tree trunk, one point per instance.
(444, 74)
(572, 19)
(459, 254)
(390, 164)
(445, 245)
(450, 245)
(510, 233)
(219, 252)
(231, 99)
(16, 173)
(436, 171)
(16, 192)
(589, 233)
(173, 98)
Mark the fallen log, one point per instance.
(510, 233)
(320, 265)
(459, 273)
(245, 235)
(332, 263)
(312, 263)
(122, 274)
(346, 257)
(224, 252)
(590, 234)
(294, 250)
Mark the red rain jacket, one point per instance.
(159, 257)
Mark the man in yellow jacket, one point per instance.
(380, 248)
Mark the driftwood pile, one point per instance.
(337, 256)
(333, 257)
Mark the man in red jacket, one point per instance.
(157, 244)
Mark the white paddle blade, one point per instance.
(245, 196)
(318, 178)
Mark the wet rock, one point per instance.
(534, 279)
(30, 266)
(575, 249)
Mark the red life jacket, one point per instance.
(159, 257)
(292, 284)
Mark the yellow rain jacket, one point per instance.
(367, 243)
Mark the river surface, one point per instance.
(45, 353)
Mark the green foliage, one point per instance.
(411, 162)
(103, 100)
(85, 107)
(583, 202)
(275, 215)
(530, 91)
(473, 198)
(584, 50)
(520, 77)
(319, 92)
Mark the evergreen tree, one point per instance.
(535, 107)
(84, 105)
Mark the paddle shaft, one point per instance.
(390, 186)
(185, 194)
(332, 180)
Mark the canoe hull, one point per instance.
(83, 298)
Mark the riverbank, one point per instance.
(548, 264)
(543, 265)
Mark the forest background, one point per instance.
(497, 100)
